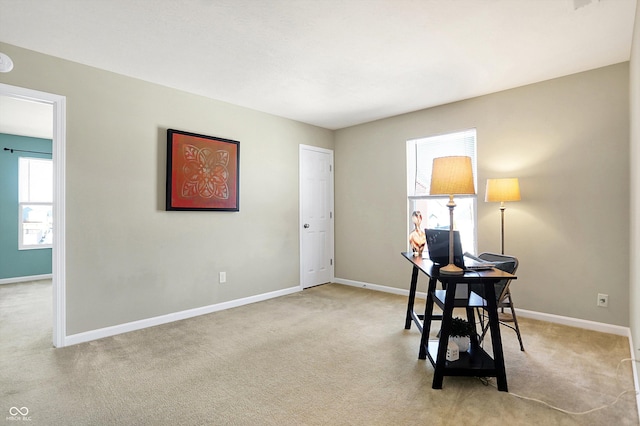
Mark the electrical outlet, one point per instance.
(603, 300)
(223, 277)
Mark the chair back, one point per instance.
(505, 263)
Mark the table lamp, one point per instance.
(507, 189)
(450, 176)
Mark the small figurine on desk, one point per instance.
(417, 238)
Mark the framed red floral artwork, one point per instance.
(203, 172)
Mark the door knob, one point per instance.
(306, 225)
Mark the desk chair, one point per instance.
(503, 293)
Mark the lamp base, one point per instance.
(451, 269)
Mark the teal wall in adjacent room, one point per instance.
(13, 262)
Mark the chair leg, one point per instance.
(484, 325)
(480, 318)
(484, 331)
(515, 322)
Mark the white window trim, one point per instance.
(411, 178)
(21, 204)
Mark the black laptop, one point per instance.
(438, 247)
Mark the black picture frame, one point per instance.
(203, 172)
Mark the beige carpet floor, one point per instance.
(330, 355)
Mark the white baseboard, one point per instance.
(88, 336)
(575, 322)
(557, 319)
(24, 279)
(377, 287)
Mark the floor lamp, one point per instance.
(450, 176)
(502, 190)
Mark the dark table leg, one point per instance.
(428, 317)
(412, 297)
(496, 339)
(445, 330)
(474, 336)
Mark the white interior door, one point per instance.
(316, 216)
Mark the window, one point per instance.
(35, 203)
(435, 213)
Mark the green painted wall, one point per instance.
(13, 262)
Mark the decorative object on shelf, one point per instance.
(451, 176)
(417, 237)
(453, 351)
(461, 331)
(506, 189)
(203, 172)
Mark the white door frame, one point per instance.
(300, 220)
(58, 154)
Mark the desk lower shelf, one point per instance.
(471, 363)
(473, 301)
(475, 362)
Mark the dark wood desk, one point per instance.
(474, 362)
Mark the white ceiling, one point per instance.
(331, 63)
(26, 118)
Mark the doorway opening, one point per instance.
(58, 103)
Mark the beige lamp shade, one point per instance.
(452, 175)
(500, 190)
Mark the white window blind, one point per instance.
(35, 180)
(421, 152)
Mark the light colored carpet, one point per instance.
(330, 355)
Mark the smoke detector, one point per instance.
(6, 64)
